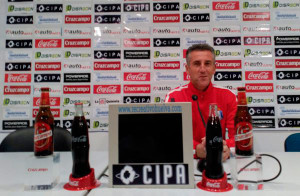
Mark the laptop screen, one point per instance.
(150, 138)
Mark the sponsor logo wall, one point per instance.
(128, 51)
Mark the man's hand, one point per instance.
(201, 149)
(226, 151)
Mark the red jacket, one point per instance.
(225, 99)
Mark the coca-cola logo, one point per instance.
(82, 138)
(54, 101)
(48, 43)
(107, 89)
(259, 75)
(18, 78)
(137, 76)
(213, 185)
(227, 5)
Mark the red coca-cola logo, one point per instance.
(112, 65)
(259, 88)
(256, 16)
(54, 111)
(54, 101)
(77, 43)
(47, 66)
(136, 42)
(167, 65)
(166, 18)
(228, 64)
(77, 89)
(137, 88)
(137, 76)
(287, 63)
(259, 75)
(226, 5)
(48, 43)
(17, 90)
(107, 89)
(186, 76)
(78, 19)
(18, 78)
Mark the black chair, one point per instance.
(21, 140)
(292, 143)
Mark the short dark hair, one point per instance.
(199, 47)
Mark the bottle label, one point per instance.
(244, 135)
(79, 139)
(42, 136)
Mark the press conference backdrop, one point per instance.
(102, 52)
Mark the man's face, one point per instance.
(201, 68)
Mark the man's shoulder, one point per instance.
(177, 94)
(178, 89)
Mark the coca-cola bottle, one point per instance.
(214, 144)
(243, 126)
(80, 144)
(44, 127)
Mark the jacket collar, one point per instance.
(201, 93)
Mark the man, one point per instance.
(201, 67)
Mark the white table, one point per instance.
(12, 175)
(287, 184)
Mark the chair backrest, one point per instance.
(21, 140)
(292, 143)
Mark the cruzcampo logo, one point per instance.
(67, 54)
(275, 4)
(66, 101)
(96, 124)
(6, 101)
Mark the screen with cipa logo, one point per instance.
(150, 145)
